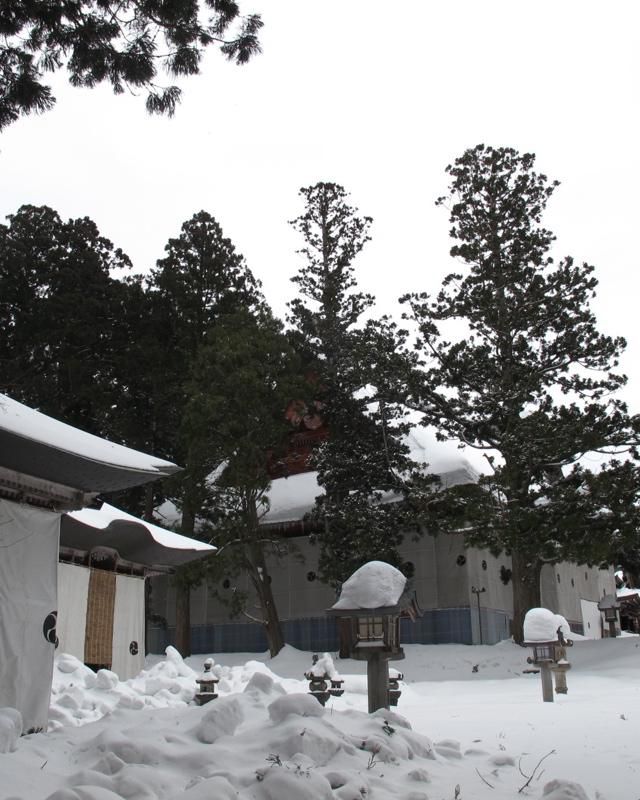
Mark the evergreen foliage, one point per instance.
(243, 378)
(220, 353)
(63, 340)
(201, 280)
(364, 457)
(123, 43)
(530, 380)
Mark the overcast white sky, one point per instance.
(378, 96)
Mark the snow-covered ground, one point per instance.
(478, 730)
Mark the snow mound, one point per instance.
(80, 696)
(541, 625)
(303, 705)
(563, 790)
(10, 729)
(263, 684)
(256, 743)
(374, 585)
(221, 719)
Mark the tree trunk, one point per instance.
(275, 639)
(259, 574)
(148, 503)
(270, 619)
(183, 619)
(525, 578)
(183, 590)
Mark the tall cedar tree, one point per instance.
(364, 456)
(243, 379)
(201, 280)
(66, 324)
(121, 42)
(530, 382)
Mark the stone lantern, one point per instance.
(609, 606)
(371, 603)
(324, 681)
(207, 684)
(561, 665)
(548, 654)
(394, 689)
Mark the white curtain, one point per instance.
(128, 627)
(73, 591)
(29, 540)
(591, 619)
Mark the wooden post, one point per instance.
(547, 682)
(612, 629)
(377, 682)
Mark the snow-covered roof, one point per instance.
(37, 445)
(291, 498)
(135, 540)
(101, 518)
(374, 585)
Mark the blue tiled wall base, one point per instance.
(495, 626)
(439, 626)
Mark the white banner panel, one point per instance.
(128, 627)
(73, 590)
(28, 605)
(591, 619)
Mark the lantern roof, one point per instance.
(608, 601)
(376, 589)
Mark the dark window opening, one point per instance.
(505, 575)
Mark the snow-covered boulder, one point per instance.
(374, 585)
(563, 790)
(303, 705)
(220, 719)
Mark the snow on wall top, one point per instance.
(28, 423)
(375, 585)
(541, 625)
(106, 514)
(291, 498)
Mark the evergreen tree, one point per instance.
(201, 280)
(530, 379)
(243, 379)
(59, 313)
(123, 43)
(364, 457)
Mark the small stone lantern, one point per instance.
(394, 689)
(561, 666)
(207, 684)
(324, 681)
(371, 603)
(609, 606)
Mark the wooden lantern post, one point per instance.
(373, 635)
